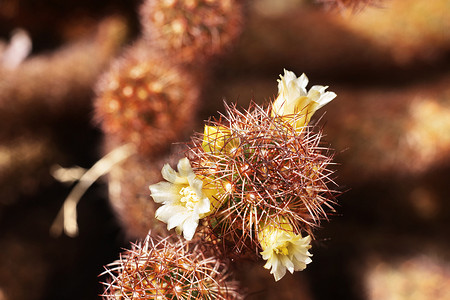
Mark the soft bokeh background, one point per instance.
(389, 126)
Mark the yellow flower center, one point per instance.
(282, 248)
(189, 197)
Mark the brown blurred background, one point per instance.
(389, 127)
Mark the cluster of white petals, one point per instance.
(184, 202)
(283, 250)
(293, 98)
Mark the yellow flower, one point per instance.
(282, 249)
(294, 103)
(218, 139)
(216, 191)
(183, 199)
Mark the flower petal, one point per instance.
(204, 206)
(278, 271)
(196, 184)
(299, 265)
(326, 98)
(177, 219)
(163, 192)
(165, 212)
(184, 167)
(319, 88)
(267, 254)
(302, 81)
(168, 173)
(269, 261)
(274, 262)
(189, 227)
(287, 263)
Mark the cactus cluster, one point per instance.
(255, 182)
(257, 179)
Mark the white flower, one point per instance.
(283, 250)
(293, 98)
(184, 202)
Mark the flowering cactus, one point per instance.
(260, 177)
(161, 269)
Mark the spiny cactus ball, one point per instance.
(146, 100)
(192, 30)
(266, 170)
(168, 270)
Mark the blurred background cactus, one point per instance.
(388, 62)
(190, 31)
(146, 100)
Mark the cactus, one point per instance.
(164, 269)
(266, 171)
(192, 31)
(146, 100)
